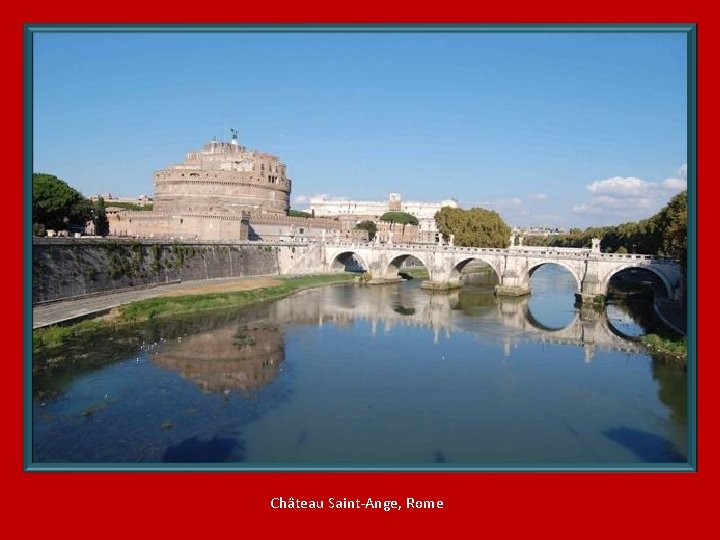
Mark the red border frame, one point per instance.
(508, 504)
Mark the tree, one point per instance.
(55, 205)
(100, 220)
(300, 213)
(673, 221)
(475, 227)
(400, 217)
(665, 233)
(369, 226)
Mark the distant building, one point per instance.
(108, 199)
(538, 231)
(355, 210)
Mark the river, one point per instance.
(372, 376)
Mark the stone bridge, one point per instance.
(513, 266)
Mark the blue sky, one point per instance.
(556, 129)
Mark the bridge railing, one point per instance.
(576, 253)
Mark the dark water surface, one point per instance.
(374, 375)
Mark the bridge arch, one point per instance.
(340, 260)
(457, 269)
(562, 331)
(393, 267)
(630, 266)
(537, 265)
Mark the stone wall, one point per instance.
(64, 268)
(220, 192)
(177, 227)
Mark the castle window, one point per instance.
(181, 221)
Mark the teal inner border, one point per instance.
(689, 29)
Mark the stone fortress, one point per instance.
(227, 192)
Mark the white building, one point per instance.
(372, 210)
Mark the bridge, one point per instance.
(513, 266)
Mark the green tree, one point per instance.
(300, 213)
(400, 217)
(56, 205)
(673, 222)
(369, 226)
(665, 233)
(100, 220)
(475, 227)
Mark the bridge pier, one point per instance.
(440, 285)
(513, 283)
(383, 280)
(591, 291)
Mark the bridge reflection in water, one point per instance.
(243, 355)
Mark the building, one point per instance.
(140, 201)
(224, 192)
(224, 179)
(352, 210)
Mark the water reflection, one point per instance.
(238, 355)
(228, 358)
(649, 447)
(322, 376)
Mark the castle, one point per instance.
(227, 192)
(224, 192)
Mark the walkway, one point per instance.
(66, 310)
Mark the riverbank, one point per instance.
(175, 303)
(669, 350)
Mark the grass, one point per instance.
(56, 336)
(416, 272)
(671, 350)
(168, 306)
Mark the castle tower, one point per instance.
(224, 179)
(395, 202)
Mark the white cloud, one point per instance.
(301, 199)
(682, 172)
(674, 184)
(621, 186)
(540, 196)
(586, 209)
(500, 204)
(621, 203)
(629, 196)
